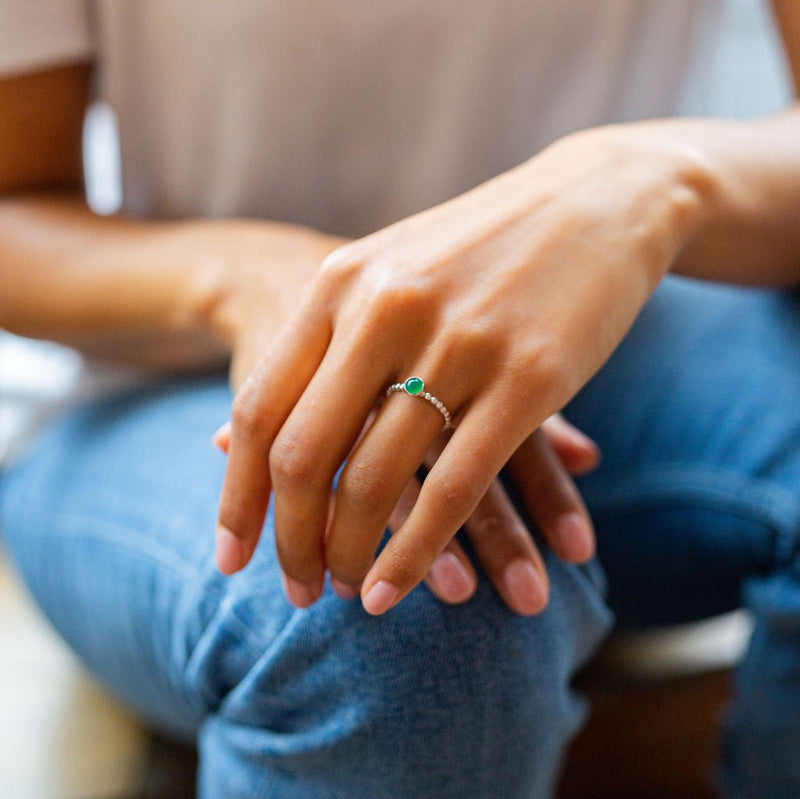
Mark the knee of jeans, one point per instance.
(491, 685)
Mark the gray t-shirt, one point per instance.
(349, 114)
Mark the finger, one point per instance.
(306, 454)
(260, 407)
(373, 479)
(450, 494)
(405, 504)
(451, 578)
(577, 451)
(552, 499)
(504, 547)
(342, 590)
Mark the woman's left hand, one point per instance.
(504, 300)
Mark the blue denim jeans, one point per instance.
(110, 519)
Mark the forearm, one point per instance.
(112, 287)
(750, 228)
(143, 292)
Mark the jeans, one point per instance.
(110, 520)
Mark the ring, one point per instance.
(415, 387)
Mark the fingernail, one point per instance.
(301, 596)
(230, 551)
(525, 586)
(451, 578)
(343, 590)
(218, 439)
(584, 440)
(590, 462)
(575, 536)
(379, 598)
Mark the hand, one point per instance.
(249, 278)
(506, 300)
(501, 541)
(540, 469)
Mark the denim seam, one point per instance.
(239, 629)
(756, 498)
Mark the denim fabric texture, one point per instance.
(110, 520)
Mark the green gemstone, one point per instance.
(414, 385)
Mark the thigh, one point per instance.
(698, 417)
(111, 522)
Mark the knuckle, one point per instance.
(473, 341)
(396, 297)
(361, 487)
(536, 375)
(541, 477)
(489, 526)
(457, 495)
(293, 465)
(247, 415)
(340, 265)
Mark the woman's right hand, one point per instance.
(250, 276)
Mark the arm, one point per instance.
(187, 295)
(113, 288)
(166, 296)
(506, 300)
(751, 230)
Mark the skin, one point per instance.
(517, 292)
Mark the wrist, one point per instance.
(165, 273)
(245, 272)
(680, 173)
(204, 284)
(664, 178)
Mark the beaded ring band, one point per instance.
(415, 387)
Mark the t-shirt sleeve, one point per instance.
(38, 34)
